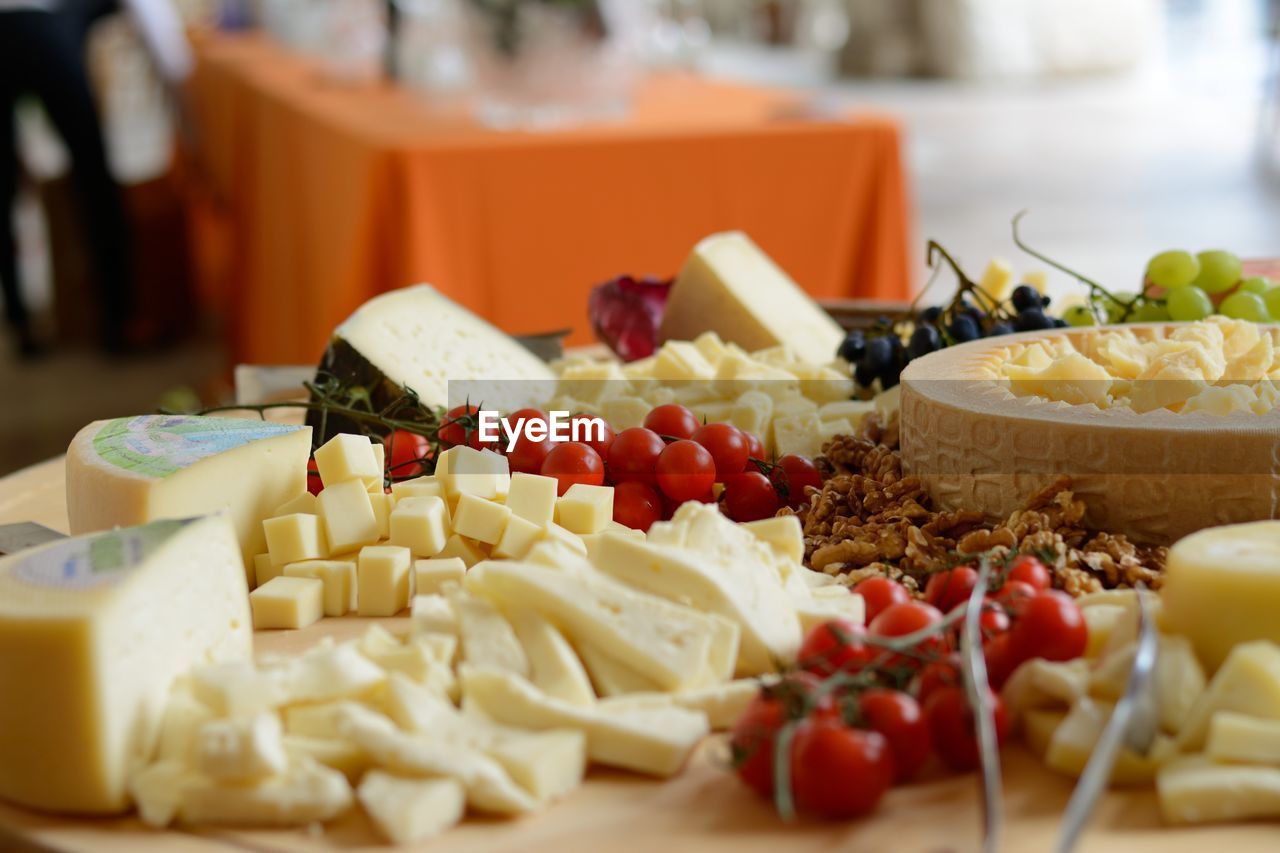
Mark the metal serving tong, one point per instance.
(974, 672)
(1134, 723)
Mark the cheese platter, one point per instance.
(707, 594)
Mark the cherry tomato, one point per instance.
(521, 416)
(633, 455)
(899, 718)
(405, 451)
(1028, 569)
(879, 592)
(573, 462)
(671, 420)
(749, 496)
(994, 620)
(727, 446)
(944, 672)
(951, 724)
(314, 484)
(637, 505)
(1002, 657)
(459, 422)
(1051, 626)
(792, 474)
(947, 589)
(751, 742)
(835, 646)
(898, 620)
(1014, 595)
(755, 447)
(838, 772)
(685, 471)
(527, 456)
(601, 434)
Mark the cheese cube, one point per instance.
(592, 381)
(828, 430)
(851, 410)
(1194, 789)
(797, 434)
(382, 504)
(463, 549)
(794, 407)
(419, 487)
(622, 413)
(349, 520)
(382, 578)
(480, 473)
(380, 457)
(263, 569)
(432, 614)
(555, 533)
(585, 509)
(287, 602)
(533, 498)
(338, 577)
(241, 749)
(405, 811)
(782, 533)
(1248, 682)
(291, 538)
(340, 754)
(713, 349)
(1243, 739)
(824, 384)
(480, 519)
(681, 360)
(752, 412)
(305, 502)
(713, 411)
(517, 538)
(429, 576)
(347, 457)
(419, 525)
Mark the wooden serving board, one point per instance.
(702, 809)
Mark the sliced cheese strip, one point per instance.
(723, 704)
(1195, 789)
(308, 792)
(130, 471)
(611, 676)
(405, 811)
(93, 633)
(656, 741)
(487, 637)
(554, 667)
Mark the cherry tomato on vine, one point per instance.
(314, 484)
(752, 739)
(749, 496)
(994, 619)
(671, 420)
(944, 672)
(600, 434)
(838, 772)
(573, 462)
(900, 719)
(727, 446)
(835, 646)
(633, 455)
(1014, 595)
(1002, 657)
(792, 473)
(949, 588)
(637, 505)
(1050, 626)
(458, 423)
(1029, 569)
(879, 592)
(898, 620)
(527, 455)
(951, 724)
(685, 471)
(755, 447)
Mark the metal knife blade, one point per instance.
(974, 672)
(24, 534)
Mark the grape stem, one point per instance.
(1095, 289)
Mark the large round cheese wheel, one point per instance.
(1154, 476)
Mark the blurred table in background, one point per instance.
(314, 195)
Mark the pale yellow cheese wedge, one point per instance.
(405, 811)
(1247, 682)
(1073, 741)
(1244, 739)
(1179, 679)
(554, 667)
(1196, 789)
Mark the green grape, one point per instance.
(1149, 312)
(1080, 315)
(1174, 268)
(1188, 303)
(1243, 305)
(1115, 307)
(1257, 284)
(1272, 300)
(1219, 271)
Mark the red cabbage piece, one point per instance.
(625, 314)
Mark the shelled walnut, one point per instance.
(869, 518)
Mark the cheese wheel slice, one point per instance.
(93, 632)
(1154, 476)
(129, 471)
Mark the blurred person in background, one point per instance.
(42, 54)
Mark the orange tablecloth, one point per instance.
(336, 193)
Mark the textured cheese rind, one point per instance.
(1154, 476)
(87, 660)
(249, 481)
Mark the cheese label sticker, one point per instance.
(160, 445)
(94, 561)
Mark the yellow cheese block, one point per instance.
(1195, 789)
(1222, 588)
(729, 286)
(1242, 738)
(93, 631)
(1154, 476)
(1247, 682)
(405, 811)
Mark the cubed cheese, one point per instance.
(429, 576)
(287, 602)
(480, 473)
(305, 502)
(348, 457)
(383, 577)
(291, 538)
(264, 570)
(349, 520)
(585, 509)
(419, 525)
(338, 577)
(533, 498)
(420, 487)
(480, 519)
(464, 549)
(517, 538)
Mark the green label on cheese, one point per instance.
(94, 561)
(159, 445)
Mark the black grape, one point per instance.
(1025, 297)
(924, 340)
(964, 328)
(853, 346)
(1031, 320)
